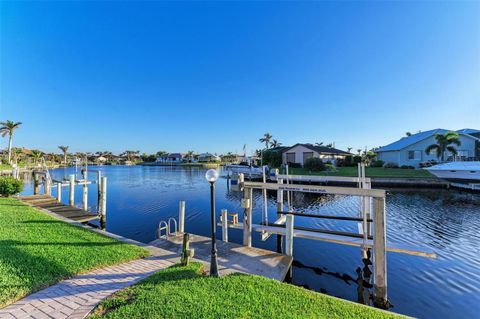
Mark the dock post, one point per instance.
(85, 193)
(181, 216)
(47, 187)
(99, 188)
(279, 214)
(35, 183)
(72, 189)
(379, 250)
(247, 217)
(59, 192)
(224, 225)
(289, 235)
(103, 203)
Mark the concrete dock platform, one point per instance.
(231, 257)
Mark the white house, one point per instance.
(300, 153)
(207, 157)
(410, 150)
(170, 158)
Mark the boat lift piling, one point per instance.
(371, 221)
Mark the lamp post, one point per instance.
(212, 176)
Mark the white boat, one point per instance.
(462, 172)
(245, 168)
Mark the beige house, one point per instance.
(300, 153)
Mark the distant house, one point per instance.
(170, 158)
(300, 153)
(232, 158)
(207, 157)
(410, 150)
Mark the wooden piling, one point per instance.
(289, 235)
(379, 250)
(247, 216)
(224, 213)
(187, 253)
(35, 183)
(85, 193)
(181, 216)
(279, 214)
(103, 203)
(72, 189)
(59, 192)
(99, 188)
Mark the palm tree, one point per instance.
(64, 149)
(36, 155)
(443, 144)
(349, 149)
(189, 155)
(8, 127)
(266, 139)
(408, 134)
(319, 143)
(275, 143)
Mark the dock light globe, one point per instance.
(211, 175)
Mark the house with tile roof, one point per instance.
(300, 153)
(410, 150)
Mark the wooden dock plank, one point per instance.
(232, 257)
(50, 203)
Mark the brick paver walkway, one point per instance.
(74, 298)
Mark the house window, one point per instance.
(415, 155)
(290, 158)
(306, 156)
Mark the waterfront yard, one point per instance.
(184, 292)
(37, 250)
(369, 172)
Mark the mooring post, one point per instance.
(279, 214)
(47, 187)
(379, 250)
(59, 192)
(35, 183)
(103, 203)
(72, 189)
(85, 192)
(224, 213)
(181, 216)
(289, 235)
(187, 253)
(99, 187)
(247, 216)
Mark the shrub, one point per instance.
(390, 165)
(272, 158)
(10, 186)
(314, 164)
(330, 167)
(294, 165)
(377, 163)
(407, 167)
(357, 159)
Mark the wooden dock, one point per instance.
(232, 257)
(51, 204)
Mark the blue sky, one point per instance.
(212, 76)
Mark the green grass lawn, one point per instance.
(183, 292)
(37, 250)
(369, 172)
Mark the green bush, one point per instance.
(272, 158)
(407, 167)
(377, 163)
(314, 164)
(357, 159)
(330, 167)
(10, 186)
(390, 165)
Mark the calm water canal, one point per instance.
(446, 221)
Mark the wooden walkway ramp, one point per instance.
(51, 204)
(231, 257)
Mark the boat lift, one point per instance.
(371, 220)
